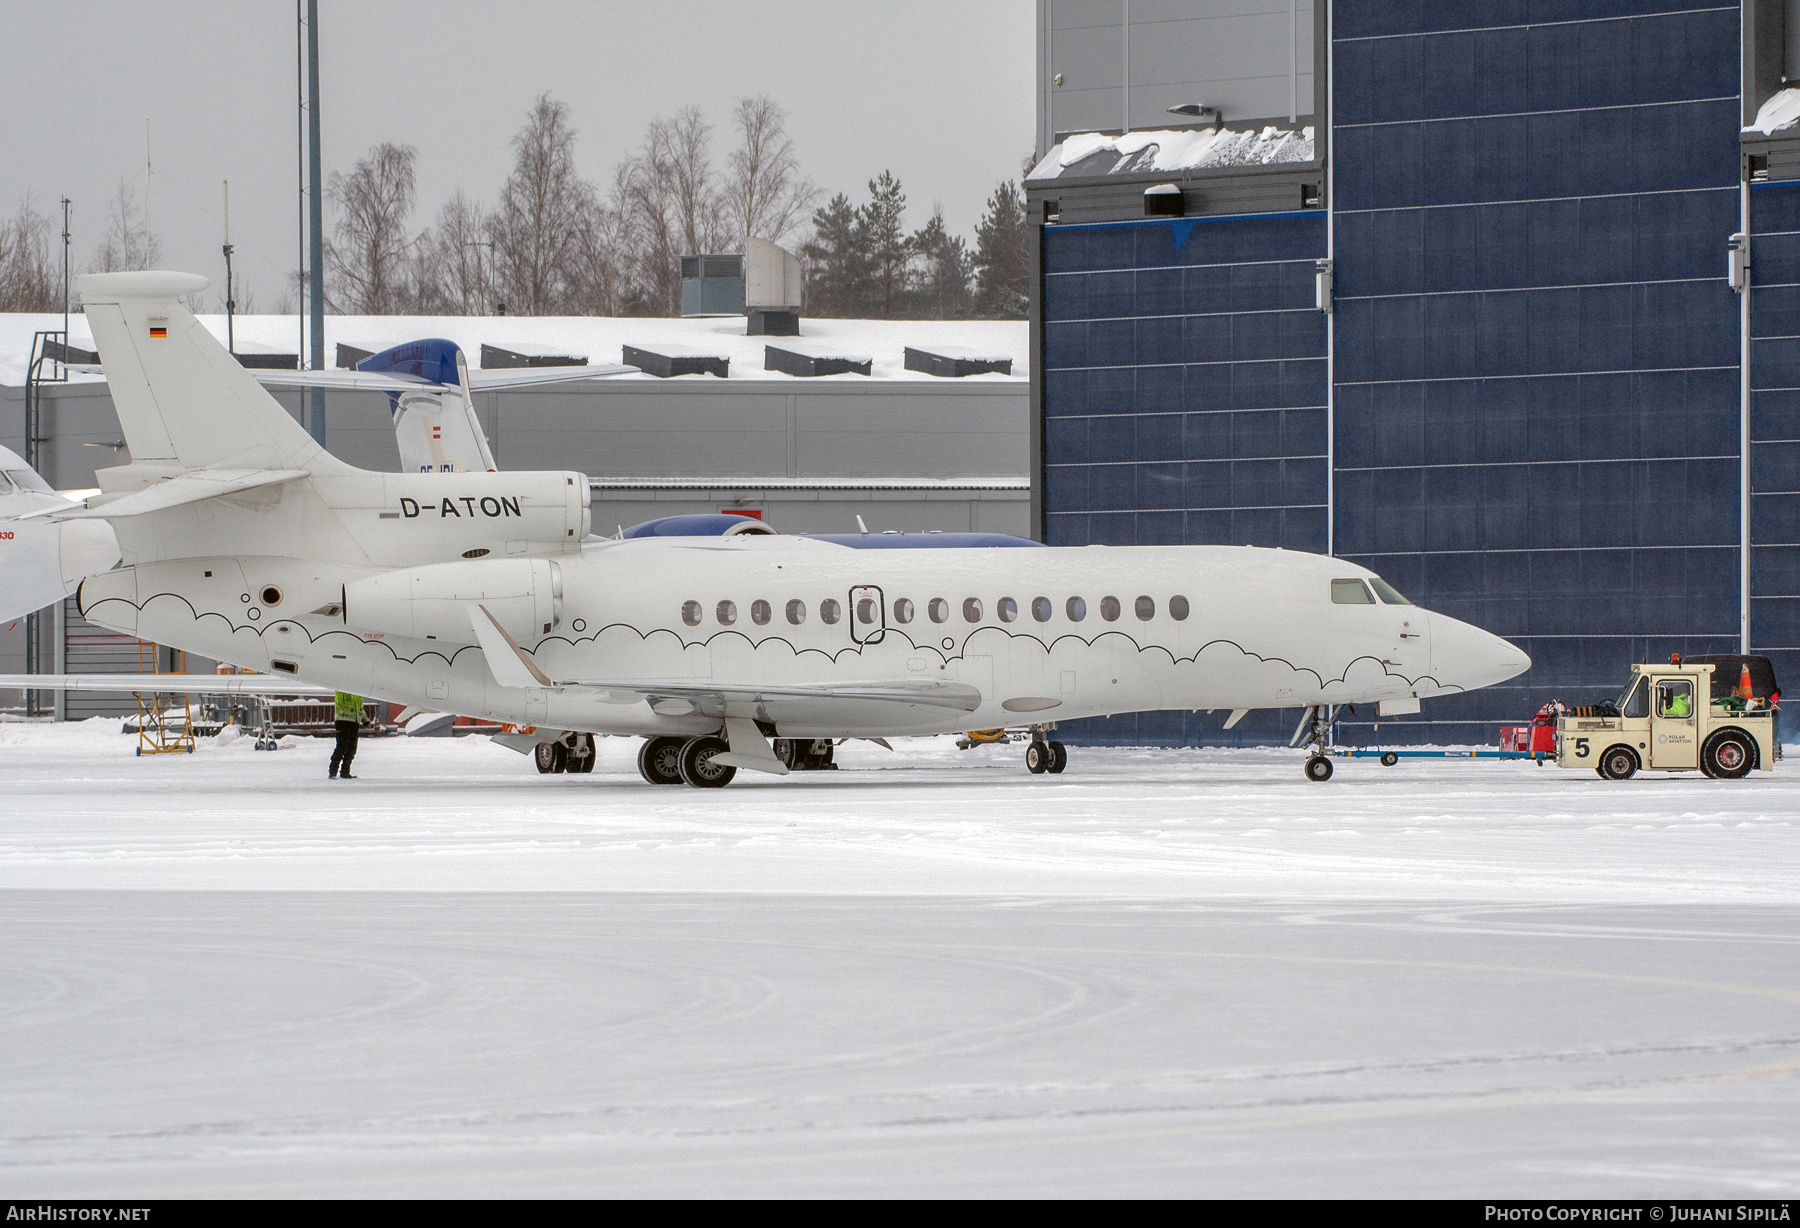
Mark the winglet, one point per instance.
(506, 661)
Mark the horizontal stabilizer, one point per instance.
(165, 684)
(336, 380)
(175, 492)
(485, 380)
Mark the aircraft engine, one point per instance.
(432, 603)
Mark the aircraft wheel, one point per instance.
(1727, 755)
(1618, 763)
(584, 762)
(1059, 758)
(659, 760)
(1037, 758)
(697, 766)
(1389, 758)
(1318, 769)
(551, 757)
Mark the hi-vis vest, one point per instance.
(349, 707)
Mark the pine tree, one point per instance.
(885, 240)
(837, 263)
(1002, 289)
(942, 277)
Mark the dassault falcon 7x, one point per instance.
(483, 594)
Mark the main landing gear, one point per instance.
(573, 752)
(685, 761)
(1042, 755)
(1315, 729)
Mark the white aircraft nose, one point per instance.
(85, 548)
(1468, 657)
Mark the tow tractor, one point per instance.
(1716, 714)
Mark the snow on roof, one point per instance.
(1177, 149)
(601, 338)
(1781, 111)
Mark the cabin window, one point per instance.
(796, 612)
(727, 613)
(903, 610)
(1178, 608)
(865, 611)
(1144, 608)
(1077, 609)
(1041, 609)
(939, 609)
(828, 611)
(690, 613)
(1636, 700)
(1387, 592)
(1350, 592)
(760, 612)
(972, 609)
(1007, 609)
(1109, 609)
(1675, 698)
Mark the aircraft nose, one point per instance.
(1466, 656)
(85, 548)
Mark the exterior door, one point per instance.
(868, 614)
(1674, 724)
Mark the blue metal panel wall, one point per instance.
(1775, 433)
(1537, 352)
(1184, 399)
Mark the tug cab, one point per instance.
(1715, 715)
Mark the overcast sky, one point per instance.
(939, 91)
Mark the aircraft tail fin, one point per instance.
(435, 427)
(181, 396)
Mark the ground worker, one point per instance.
(349, 712)
(1677, 704)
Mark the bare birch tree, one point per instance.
(29, 279)
(455, 262)
(124, 245)
(764, 194)
(369, 259)
(538, 221)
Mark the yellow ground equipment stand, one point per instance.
(164, 728)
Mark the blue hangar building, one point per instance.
(1500, 299)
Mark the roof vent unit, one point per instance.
(665, 361)
(512, 354)
(773, 288)
(266, 360)
(712, 285)
(953, 361)
(1163, 200)
(791, 360)
(349, 355)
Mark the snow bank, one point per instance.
(1781, 111)
(1182, 149)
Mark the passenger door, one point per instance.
(1674, 724)
(868, 614)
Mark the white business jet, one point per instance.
(245, 541)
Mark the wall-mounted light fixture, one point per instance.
(1195, 110)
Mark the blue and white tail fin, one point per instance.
(436, 428)
(181, 397)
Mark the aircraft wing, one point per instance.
(493, 379)
(193, 487)
(191, 684)
(850, 703)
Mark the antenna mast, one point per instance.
(230, 301)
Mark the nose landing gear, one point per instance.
(1315, 729)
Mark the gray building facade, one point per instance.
(1489, 347)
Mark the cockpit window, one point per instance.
(1350, 592)
(1387, 592)
(1636, 699)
